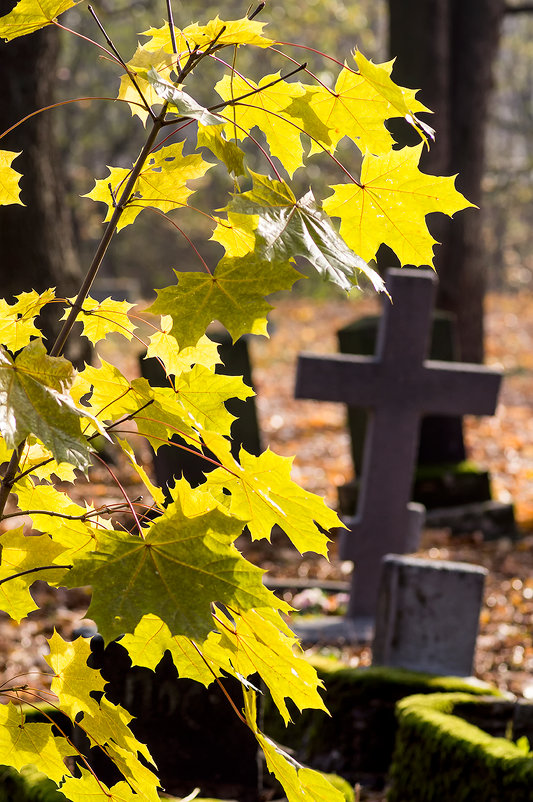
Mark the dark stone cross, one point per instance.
(398, 386)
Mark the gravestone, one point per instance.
(398, 386)
(172, 463)
(427, 615)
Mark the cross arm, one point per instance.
(457, 388)
(344, 378)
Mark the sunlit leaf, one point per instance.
(28, 16)
(144, 59)
(9, 178)
(264, 110)
(263, 493)
(162, 183)
(18, 554)
(390, 206)
(212, 137)
(100, 318)
(231, 32)
(17, 321)
(163, 346)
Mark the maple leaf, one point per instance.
(257, 642)
(145, 58)
(287, 227)
(151, 638)
(162, 183)
(236, 234)
(212, 137)
(39, 461)
(234, 294)
(28, 16)
(179, 567)
(100, 318)
(17, 321)
(263, 494)
(231, 32)
(300, 784)
(32, 744)
(9, 178)
(34, 400)
(185, 105)
(73, 680)
(164, 347)
(20, 553)
(390, 204)
(263, 109)
(87, 788)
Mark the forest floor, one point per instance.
(316, 433)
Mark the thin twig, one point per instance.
(171, 28)
(32, 571)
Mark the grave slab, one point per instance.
(428, 615)
(398, 386)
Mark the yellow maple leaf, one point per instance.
(100, 318)
(264, 110)
(163, 346)
(17, 321)
(390, 205)
(145, 58)
(9, 179)
(162, 183)
(28, 16)
(232, 32)
(73, 680)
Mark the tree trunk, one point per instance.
(447, 48)
(36, 241)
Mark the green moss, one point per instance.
(437, 470)
(438, 756)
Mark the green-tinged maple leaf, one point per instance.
(202, 663)
(231, 32)
(287, 227)
(225, 150)
(73, 680)
(175, 571)
(34, 400)
(9, 178)
(100, 318)
(264, 110)
(162, 183)
(185, 105)
(145, 58)
(17, 321)
(257, 642)
(28, 16)
(300, 784)
(234, 294)
(164, 347)
(390, 206)
(18, 554)
(25, 743)
(263, 493)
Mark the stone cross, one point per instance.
(398, 386)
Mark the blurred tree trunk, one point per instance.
(447, 49)
(36, 241)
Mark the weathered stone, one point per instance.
(399, 386)
(428, 615)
